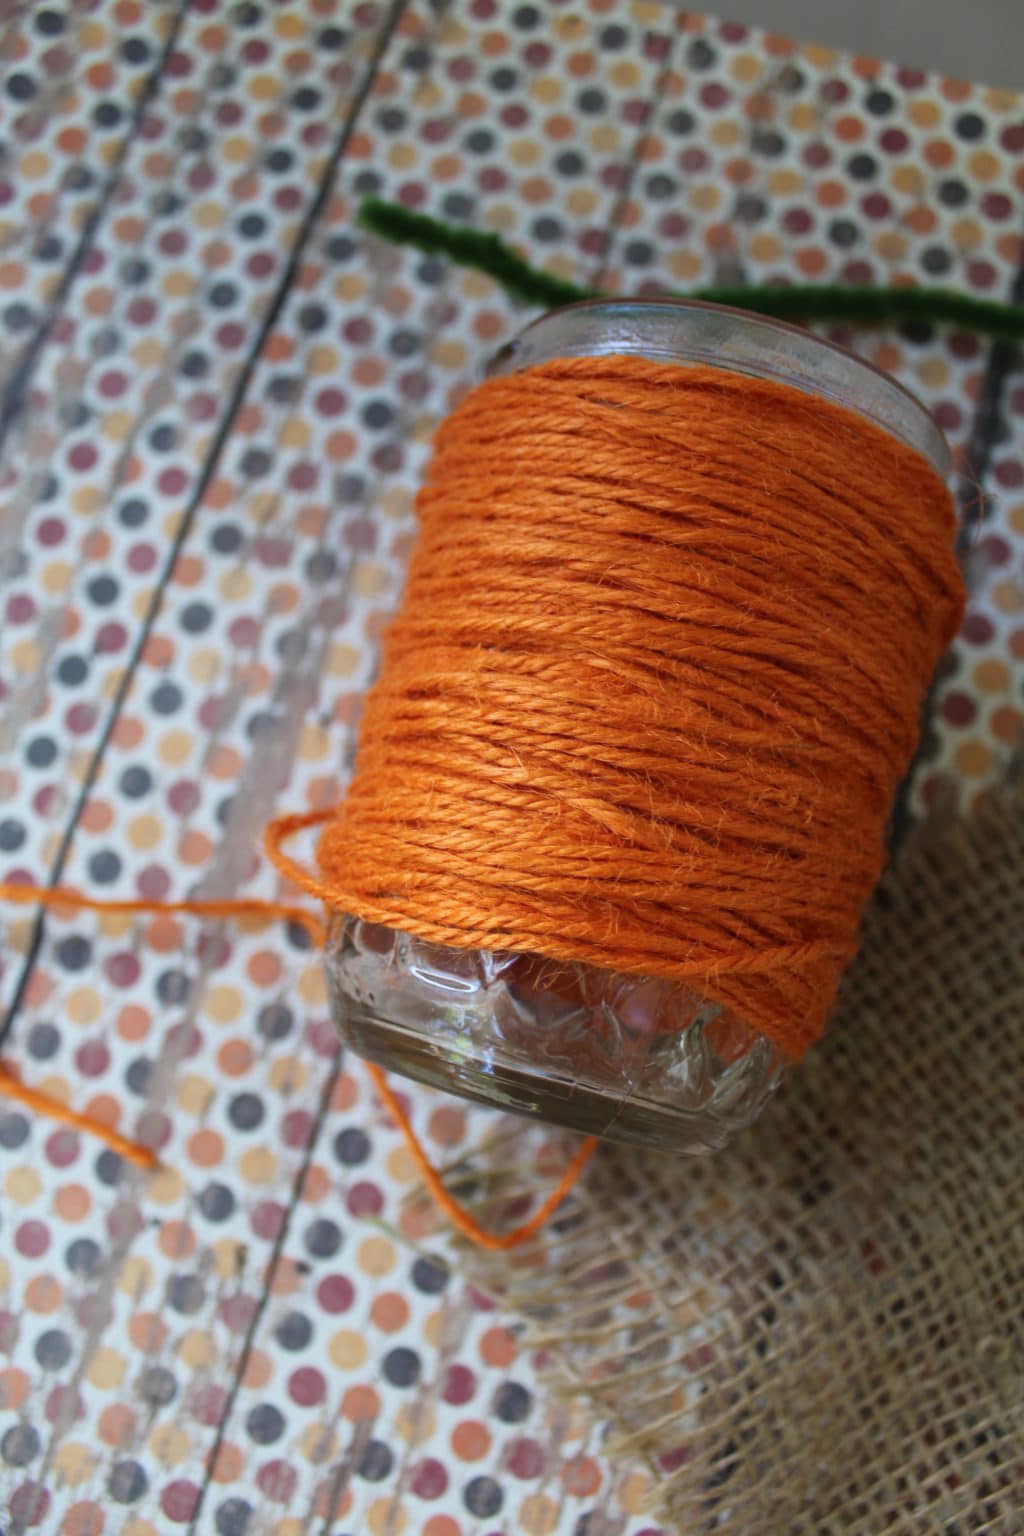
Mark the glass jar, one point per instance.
(631, 1058)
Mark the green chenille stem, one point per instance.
(857, 305)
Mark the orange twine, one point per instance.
(658, 671)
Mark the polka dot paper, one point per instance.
(216, 396)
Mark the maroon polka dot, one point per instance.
(296, 1128)
(978, 628)
(244, 632)
(428, 1479)
(364, 1199)
(525, 1458)
(29, 1505)
(958, 709)
(111, 638)
(260, 264)
(20, 609)
(277, 1481)
(32, 1239)
(183, 797)
(92, 1058)
(335, 1293)
(141, 558)
(141, 311)
(123, 969)
(459, 1385)
(172, 481)
(268, 1219)
(81, 718)
(153, 883)
(63, 1403)
(307, 1386)
(51, 531)
(178, 1500)
(713, 95)
(237, 1312)
(62, 1147)
(207, 1402)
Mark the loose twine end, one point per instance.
(144, 1157)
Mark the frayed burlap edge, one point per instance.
(821, 1329)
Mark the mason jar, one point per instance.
(627, 1057)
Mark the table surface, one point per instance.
(216, 399)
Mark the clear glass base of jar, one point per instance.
(629, 1058)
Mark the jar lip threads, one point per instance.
(692, 331)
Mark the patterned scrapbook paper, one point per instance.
(217, 399)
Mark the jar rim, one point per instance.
(738, 340)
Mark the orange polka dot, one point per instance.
(811, 260)
(227, 1468)
(938, 153)
(390, 1311)
(43, 1294)
(148, 1331)
(471, 1440)
(84, 1518)
(339, 445)
(345, 1092)
(360, 1405)
(164, 934)
(234, 1057)
(133, 1022)
(832, 194)
(441, 1525)
(219, 493)
(97, 816)
(103, 1107)
(1007, 724)
(581, 1477)
(117, 1425)
(72, 1202)
(224, 763)
(283, 598)
(177, 1240)
(955, 90)
(71, 141)
(973, 758)
(447, 1125)
(258, 1370)
(215, 253)
(188, 570)
(288, 1278)
(921, 219)
(158, 651)
(96, 544)
(194, 847)
(498, 1347)
(419, 1220)
(992, 676)
(205, 1148)
(326, 1506)
(264, 968)
(848, 128)
(127, 733)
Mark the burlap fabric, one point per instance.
(821, 1329)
